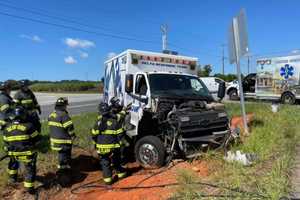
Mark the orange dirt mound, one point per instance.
(143, 178)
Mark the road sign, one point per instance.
(238, 47)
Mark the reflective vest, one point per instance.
(26, 99)
(6, 103)
(107, 131)
(20, 138)
(61, 129)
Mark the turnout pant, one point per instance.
(64, 157)
(29, 163)
(111, 160)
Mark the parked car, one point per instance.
(212, 84)
(232, 89)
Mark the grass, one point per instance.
(273, 138)
(46, 158)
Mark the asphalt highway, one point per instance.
(79, 103)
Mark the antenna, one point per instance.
(164, 30)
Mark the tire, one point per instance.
(233, 95)
(288, 98)
(150, 152)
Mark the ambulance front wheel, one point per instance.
(150, 152)
(288, 98)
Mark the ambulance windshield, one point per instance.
(177, 85)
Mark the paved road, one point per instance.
(79, 103)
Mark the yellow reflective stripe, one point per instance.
(68, 123)
(2, 122)
(109, 123)
(16, 127)
(12, 171)
(99, 117)
(57, 124)
(53, 115)
(121, 130)
(28, 184)
(112, 132)
(108, 180)
(56, 148)
(24, 159)
(34, 134)
(95, 132)
(16, 138)
(28, 101)
(4, 107)
(121, 175)
(23, 153)
(60, 141)
(107, 146)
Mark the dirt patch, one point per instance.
(86, 171)
(147, 179)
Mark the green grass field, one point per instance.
(273, 139)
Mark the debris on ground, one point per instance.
(237, 123)
(245, 159)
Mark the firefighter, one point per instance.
(106, 137)
(27, 99)
(6, 103)
(20, 138)
(61, 137)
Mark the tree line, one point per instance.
(61, 86)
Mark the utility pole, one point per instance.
(223, 59)
(248, 63)
(164, 30)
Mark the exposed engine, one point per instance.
(183, 123)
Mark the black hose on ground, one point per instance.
(105, 187)
(93, 184)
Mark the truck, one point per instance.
(171, 111)
(276, 79)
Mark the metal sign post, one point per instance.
(238, 40)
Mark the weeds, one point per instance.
(273, 138)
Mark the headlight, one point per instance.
(184, 119)
(223, 114)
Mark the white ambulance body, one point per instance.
(140, 64)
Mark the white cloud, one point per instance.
(79, 43)
(70, 60)
(111, 55)
(83, 54)
(33, 38)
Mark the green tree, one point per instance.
(204, 71)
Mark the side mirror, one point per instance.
(221, 90)
(129, 83)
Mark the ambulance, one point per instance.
(172, 113)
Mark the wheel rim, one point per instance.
(288, 99)
(148, 154)
(233, 95)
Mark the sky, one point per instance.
(71, 39)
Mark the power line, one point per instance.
(77, 29)
(64, 19)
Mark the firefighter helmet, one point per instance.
(24, 83)
(104, 109)
(4, 85)
(62, 101)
